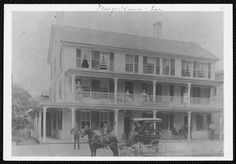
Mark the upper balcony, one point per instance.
(106, 98)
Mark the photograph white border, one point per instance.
(228, 72)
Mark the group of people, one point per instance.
(76, 131)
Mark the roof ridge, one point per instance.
(120, 33)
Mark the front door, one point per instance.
(48, 124)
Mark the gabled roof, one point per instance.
(133, 42)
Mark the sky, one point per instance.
(31, 35)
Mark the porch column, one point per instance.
(44, 124)
(116, 112)
(189, 126)
(154, 116)
(189, 95)
(73, 87)
(39, 124)
(115, 89)
(72, 120)
(221, 126)
(154, 90)
(161, 65)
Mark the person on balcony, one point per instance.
(128, 98)
(211, 130)
(145, 96)
(78, 91)
(185, 97)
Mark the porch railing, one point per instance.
(144, 99)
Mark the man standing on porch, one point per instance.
(76, 133)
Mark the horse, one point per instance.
(96, 141)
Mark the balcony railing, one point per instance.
(196, 73)
(144, 100)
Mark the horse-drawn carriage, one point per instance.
(144, 139)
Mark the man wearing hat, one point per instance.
(76, 133)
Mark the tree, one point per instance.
(21, 102)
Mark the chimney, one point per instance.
(157, 30)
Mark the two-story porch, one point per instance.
(100, 99)
(55, 121)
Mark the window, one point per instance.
(85, 120)
(78, 58)
(172, 67)
(202, 72)
(86, 58)
(166, 66)
(157, 65)
(104, 118)
(131, 63)
(129, 67)
(148, 64)
(104, 61)
(60, 120)
(201, 121)
(186, 68)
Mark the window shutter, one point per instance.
(145, 64)
(158, 66)
(136, 63)
(183, 69)
(78, 58)
(194, 69)
(172, 69)
(95, 60)
(111, 61)
(209, 70)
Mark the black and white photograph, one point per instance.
(118, 81)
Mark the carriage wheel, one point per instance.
(161, 149)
